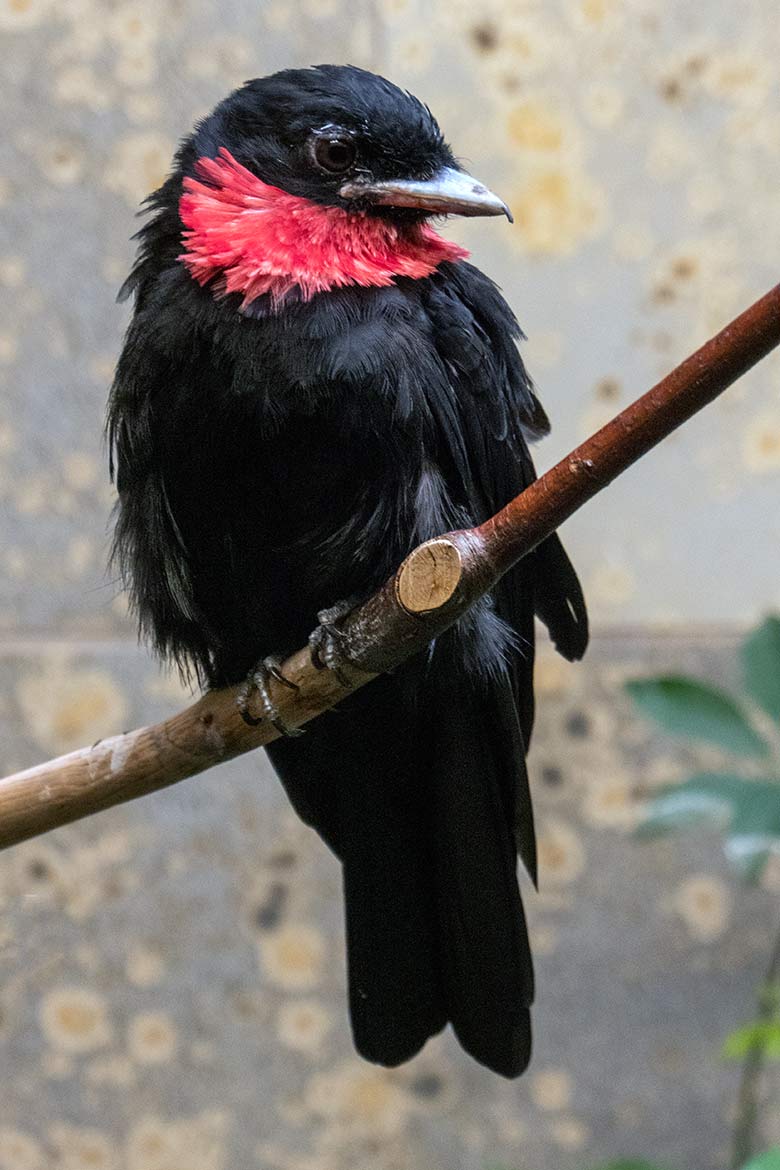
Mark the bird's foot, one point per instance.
(257, 684)
(327, 642)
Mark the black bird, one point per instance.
(313, 382)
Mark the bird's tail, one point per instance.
(480, 787)
(418, 799)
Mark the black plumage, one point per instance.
(274, 458)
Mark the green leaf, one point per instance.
(630, 1164)
(687, 707)
(761, 666)
(769, 1160)
(747, 810)
(762, 1036)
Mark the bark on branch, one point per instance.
(436, 583)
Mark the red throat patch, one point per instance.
(254, 239)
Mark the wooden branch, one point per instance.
(436, 583)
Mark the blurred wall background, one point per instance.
(171, 994)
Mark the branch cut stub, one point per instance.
(429, 576)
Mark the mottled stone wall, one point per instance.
(171, 980)
(638, 143)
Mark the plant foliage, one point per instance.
(747, 808)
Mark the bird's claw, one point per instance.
(327, 642)
(257, 683)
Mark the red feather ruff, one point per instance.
(254, 239)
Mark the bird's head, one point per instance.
(316, 178)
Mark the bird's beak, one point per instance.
(449, 192)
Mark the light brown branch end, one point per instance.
(429, 576)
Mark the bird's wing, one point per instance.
(476, 336)
(485, 431)
(148, 548)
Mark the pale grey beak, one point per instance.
(449, 192)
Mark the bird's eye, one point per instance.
(334, 155)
